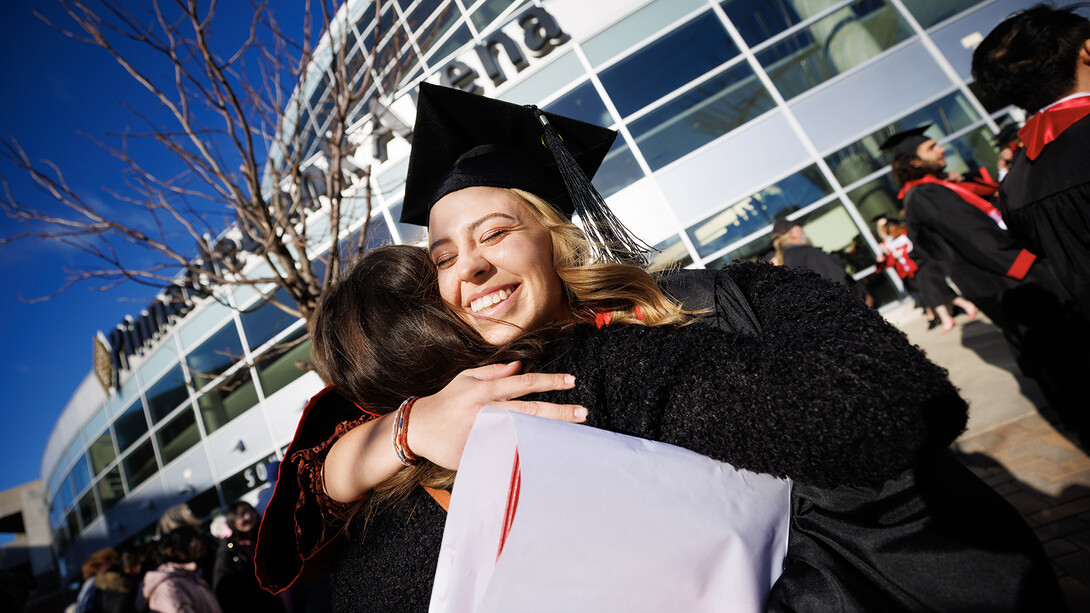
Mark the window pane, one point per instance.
(863, 157)
(167, 394)
(88, 509)
(284, 363)
(551, 78)
(130, 426)
(232, 397)
(459, 39)
(636, 27)
(754, 251)
(95, 425)
(69, 529)
(102, 452)
(877, 197)
(433, 32)
(81, 475)
(671, 253)
(619, 169)
(971, 151)
(423, 10)
(214, 315)
(63, 498)
(705, 113)
(582, 103)
(215, 355)
(488, 12)
(164, 356)
(266, 321)
(392, 180)
(110, 490)
(759, 20)
(668, 63)
(178, 435)
(836, 43)
(139, 465)
(758, 210)
(929, 12)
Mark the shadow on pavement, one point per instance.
(1060, 523)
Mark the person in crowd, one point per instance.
(181, 515)
(920, 274)
(233, 578)
(794, 248)
(780, 375)
(176, 586)
(1039, 59)
(1009, 143)
(96, 563)
(116, 586)
(967, 236)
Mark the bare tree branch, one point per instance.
(245, 168)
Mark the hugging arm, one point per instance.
(827, 393)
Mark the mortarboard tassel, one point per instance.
(610, 239)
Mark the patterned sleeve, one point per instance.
(312, 495)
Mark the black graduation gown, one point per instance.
(930, 280)
(812, 258)
(1046, 204)
(1048, 337)
(883, 518)
(968, 246)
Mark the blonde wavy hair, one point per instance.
(627, 291)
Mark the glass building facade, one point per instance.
(730, 114)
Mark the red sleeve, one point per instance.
(301, 529)
(332, 514)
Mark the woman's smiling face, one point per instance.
(495, 263)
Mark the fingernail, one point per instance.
(568, 379)
(581, 413)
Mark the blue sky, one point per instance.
(53, 89)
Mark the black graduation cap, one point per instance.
(1006, 135)
(783, 226)
(464, 140)
(906, 142)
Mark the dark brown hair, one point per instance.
(1029, 60)
(382, 333)
(904, 170)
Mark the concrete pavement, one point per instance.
(1021, 453)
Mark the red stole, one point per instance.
(966, 194)
(1046, 126)
(1022, 262)
(983, 186)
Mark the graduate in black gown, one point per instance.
(794, 250)
(1040, 59)
(968, 238)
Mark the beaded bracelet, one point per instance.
(399, 434)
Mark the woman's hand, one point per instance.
(439, 424)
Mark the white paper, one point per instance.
(605, 522)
